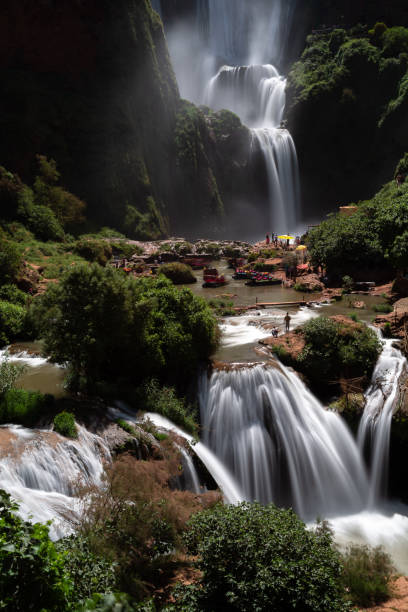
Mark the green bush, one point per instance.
(183, 248)
(178, 273)
(336, 349)
(11, 293)
(23, 407)
(254, 557)
(367, 575)
(98, 251)
(387, 331)
(395, 41)
(347, 283)
(9, 374)
(164, 401)
(10, 261)
(89, 573)
(385, 308)
(32, 574)
(64, 424)
(129, 329)
(12, 322)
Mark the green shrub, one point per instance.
(385, 308)
(222, 307)
(254, 557)
(129, 329)
(164, 401)
(32, 574)
(23, 407)
(178, 273)
(183, 248)
(125, 426)
(89, 573)
(367, 575)
(12, 322)
(347, 283)
(9, 374)
(124, 249)
(114, 602)
(395, 41)
(336, 349)
(10, 261)
(64, 424)
(98, 251)
(11, 293)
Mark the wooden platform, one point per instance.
(269, 304)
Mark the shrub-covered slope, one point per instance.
(348, 112)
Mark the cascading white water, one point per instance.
(222, 476)
(40, 469)
(280, 443)
(190, 478)
(247, 36)
(375, 425)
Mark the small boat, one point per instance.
(262, 280)
(211, 278)
(241, 274)
(197, 263)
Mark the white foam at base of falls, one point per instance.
(41, 470)
(218, 471)
(386, 526)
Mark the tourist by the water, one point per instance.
(267, 239)
(287, 322)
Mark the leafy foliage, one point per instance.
(367, 575)
(23, 407)
(12, 322)
(32, 575)
(89, 572)
(336, 348)
(64, 424)
(9, 374)
(255, 557)
(11, 293)
(10, 261)
(375, 235)
(99, 251)
(163, 400)
(129, 329)
(178, 273)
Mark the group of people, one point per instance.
(273, 239)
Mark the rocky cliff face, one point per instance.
(91, 85)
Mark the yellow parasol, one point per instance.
(301, 247)
(286, 237)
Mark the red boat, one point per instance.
(211, 278)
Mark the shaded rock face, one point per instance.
(90, 84)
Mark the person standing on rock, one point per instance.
(287, 322)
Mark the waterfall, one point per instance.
(41, 469)
(279, 442)
(375, 425)
(244, 38)
(222, 476)
(189, 478)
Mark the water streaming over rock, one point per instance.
(280, 443)
(375, 425)
(41, 469)
(244, 38)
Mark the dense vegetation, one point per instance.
(349, 87)
(178, 273)
(129, 329)
(334, 348)
(370, 244)
(255, 557)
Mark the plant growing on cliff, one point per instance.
(367, 575)
(64, 424)
(254, 557)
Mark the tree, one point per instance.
(110, 327)
(32, 575)
(68, 209)
(255, 557)
(10, 261)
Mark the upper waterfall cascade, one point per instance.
(233, 45)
